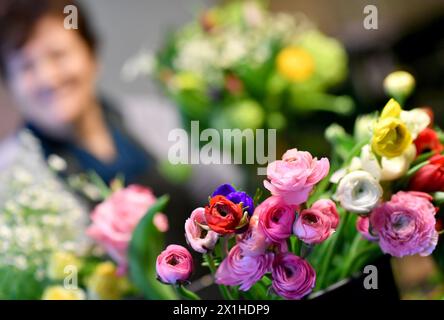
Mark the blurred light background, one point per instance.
(410, 34)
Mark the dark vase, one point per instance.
(353, 288)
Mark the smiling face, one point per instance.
(53, 76)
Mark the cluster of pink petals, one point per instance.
(263, 248)
(405, 225)
(174, 265)
(294, 177)
(316, 224)
(363, 227)
(293, 277)
(198, 238)
(244, 270)
(254, 242)
(114, 220)
(276, 218)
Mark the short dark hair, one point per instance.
(19, 17)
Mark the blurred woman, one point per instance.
(51, 72)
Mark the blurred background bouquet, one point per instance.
(239, 65)
(51, 250)
(39, 218)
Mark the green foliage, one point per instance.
(146, 244)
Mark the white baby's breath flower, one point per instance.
(22, 176)
(20, 262)
(57, 163)
(196, 55)
(359, 192)
(234, 50)
(37, 215)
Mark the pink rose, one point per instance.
(114, 220)
(276, 218)
(316, 224)
(406, 224)
(174, 265)
(243, 270)
(293, 277)
(253, 242)
(363, 227)
(295, 175)
(199, 239)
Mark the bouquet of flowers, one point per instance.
(127, 227)
(39, 219)
(241, 66)
(324, 220)
(46, 244)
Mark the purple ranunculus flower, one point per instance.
(229, 192)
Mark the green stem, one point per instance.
(415, 169)
(185, 293)
(423, 157)
(351, 256)
(363, 257)
(325, 263)
(223, 289)
(354, 152)
(295, 245)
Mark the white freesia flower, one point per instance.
(390, 168)
(359, 192)
(364, 126)
(416, 121)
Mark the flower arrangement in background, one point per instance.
(39, 220)
(49, 252)
(241, 66)
(324, 220)
(113, 229)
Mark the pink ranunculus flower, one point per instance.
(161, 222)
(295, 175)
(240, 269)
(174, 265)
(253, 242)
(114, 220)
(198, 238)
(293, 277)
(363, 227)
(276, 218)
(316, 224)
(406, 224)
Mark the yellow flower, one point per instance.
(295, 64)
(59, 261)
(391, 136)
(105, 284)
(391, 109)
(61, 293)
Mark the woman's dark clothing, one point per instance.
(134, 163)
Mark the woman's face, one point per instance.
(53, 76)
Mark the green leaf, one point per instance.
(146, 244)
